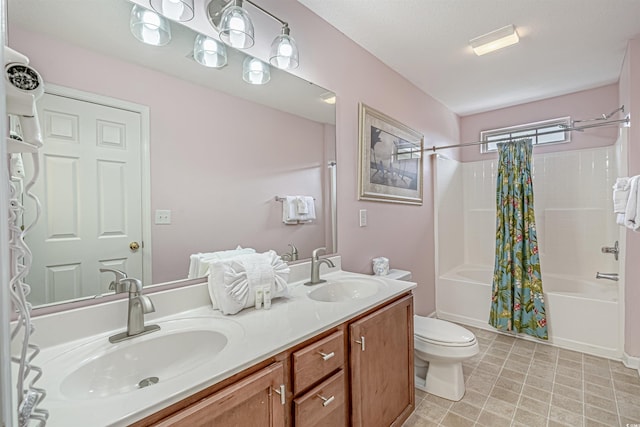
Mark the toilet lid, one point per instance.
(436, 330)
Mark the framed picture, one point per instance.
(390, 167)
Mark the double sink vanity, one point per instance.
(338, 353)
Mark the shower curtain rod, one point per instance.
(626, 121)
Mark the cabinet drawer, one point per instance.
(324, 405)
(314, 362)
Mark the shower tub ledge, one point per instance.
(582, 314)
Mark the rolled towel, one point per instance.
(232, 283)
(199, 263)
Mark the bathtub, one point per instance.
(582, 314)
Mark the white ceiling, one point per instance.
(565, 45)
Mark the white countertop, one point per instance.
(254, 335)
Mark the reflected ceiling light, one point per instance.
(498, 39)
(209, 52)
(178, 10)
(235, 28)
(149, 27)
(328, 97)
(255, 71)
(284, 50)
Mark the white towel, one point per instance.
(632, 210)
(289, 214)
(232, 282)
(292, 210)
(621, 194)
(199, 263)
(301, 205)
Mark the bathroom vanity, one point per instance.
(361, 370)
(338, 353)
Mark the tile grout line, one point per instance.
(553, 385)
(615, 395)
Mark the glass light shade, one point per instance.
(236, 28)
(498, 39)
(284, 52)
(178, 10)
(255, 71)
(149, 27)
(209, 52)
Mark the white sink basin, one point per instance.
(347, 289)
(102, 369)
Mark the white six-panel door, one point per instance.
(90, 191)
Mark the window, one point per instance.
(546, 132)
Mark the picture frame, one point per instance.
(390, 167)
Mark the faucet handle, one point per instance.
(315, 255)
(135, 285)
(116, 285)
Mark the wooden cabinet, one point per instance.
(381, 366)
(324, 405)
(253, 401)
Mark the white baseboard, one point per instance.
(631, 362)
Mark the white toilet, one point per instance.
(439, 349)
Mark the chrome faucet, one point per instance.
(608, 276)
(615, 250)
(316, 261)
(117, 284)
(139, 305)
(291, 256)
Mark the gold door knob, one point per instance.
(134, 246)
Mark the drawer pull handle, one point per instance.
(326, 400)
(361, 342)
(326, 356)
(281, 392)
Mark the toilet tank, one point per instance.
(399, 274)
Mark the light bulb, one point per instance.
(172, 8)
(237, 36)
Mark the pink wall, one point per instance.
(218, 175)
(402, 233)
(630, 96)
(582, 105)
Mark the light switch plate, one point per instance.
(163, 216)
(363, 217)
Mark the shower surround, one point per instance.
(572, 193)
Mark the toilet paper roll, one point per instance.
(380, 266)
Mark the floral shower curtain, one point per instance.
(517, 302)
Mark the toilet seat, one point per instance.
(440, 332)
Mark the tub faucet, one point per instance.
(316, 261)
(139, 305)
(608, 276)
(117, 284)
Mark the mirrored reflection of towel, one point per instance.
(298, 209)
(232, 282)
(199, 263)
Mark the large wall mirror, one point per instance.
(150, 157)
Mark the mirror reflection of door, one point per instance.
(90, 189)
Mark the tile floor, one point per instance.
(514, 382)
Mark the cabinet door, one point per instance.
(324, 405)
(252, 401)
(381, 362)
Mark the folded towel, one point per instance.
(620, 219)
(232, 282)
(289, 214)
(632, 210)
(301, 205)
(311, 210)
(621, 194)
(199, 263)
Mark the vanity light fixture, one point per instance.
(149, 27)
(178, 10)
(235, 28)
(255, 71)
(498, 39)
(209, 52)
